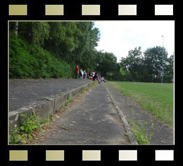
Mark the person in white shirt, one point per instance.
(81, 73)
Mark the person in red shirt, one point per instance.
(77, 72)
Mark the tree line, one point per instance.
(53, 49)
(147, 66)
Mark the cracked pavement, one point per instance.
(90, 120)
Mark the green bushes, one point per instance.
(32, 61)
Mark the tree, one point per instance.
(85, 52)
(168, 69)
(34, 32)
(106, 64)
(63, 39)
(13, 26)
(125, 74)
(134, 64)
(153, 61)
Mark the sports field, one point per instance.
(156, 98)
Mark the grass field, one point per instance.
(153, 97)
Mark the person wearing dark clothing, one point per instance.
(96, 78)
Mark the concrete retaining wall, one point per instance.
(44, 108)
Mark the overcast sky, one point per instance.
(119, 37)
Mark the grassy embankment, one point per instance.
(28, 61)
(153, 97)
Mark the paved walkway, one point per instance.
(23, 92)
(92, 120)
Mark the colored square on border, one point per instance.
(18, 155)
(90, 10)
(91, 155)
(127, 155)
(163, 10)
(54, 10)
(127, 9)
(54, 155)
(164, 155)
(18, 10)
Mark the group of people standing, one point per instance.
(82, 74)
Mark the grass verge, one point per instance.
(153, 97)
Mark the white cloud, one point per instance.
(119, 37)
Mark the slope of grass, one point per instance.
(32, 61)
(153, 97)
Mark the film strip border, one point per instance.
(90, 155)
(90, 10)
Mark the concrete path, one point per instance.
(23, 92)
(91, 120)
